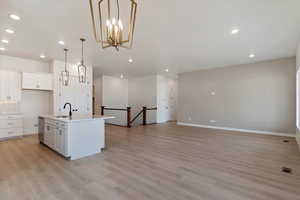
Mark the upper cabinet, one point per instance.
(10, 86)
(37, 81)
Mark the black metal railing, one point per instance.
(128, 110)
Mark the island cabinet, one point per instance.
(55, 136)
(73, 137)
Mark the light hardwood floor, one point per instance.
(157, 162)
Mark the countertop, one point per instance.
(75, 117)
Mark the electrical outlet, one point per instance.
(212, 121)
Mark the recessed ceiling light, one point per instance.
(61, 42)
(235, 31)
(252, 55)
(122, 76)
(10, 31)
(42, 56)
(2, 49)
(166, 70)
(130, 60)
(14, 17)
(4, 41)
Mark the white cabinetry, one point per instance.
(55, 135)
(10, 86)
(37, 81)
(10, 126)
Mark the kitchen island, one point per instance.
(73, 137)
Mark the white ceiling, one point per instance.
(179, 35)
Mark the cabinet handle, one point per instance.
(10, 132)
(9, 124)
(48, 128)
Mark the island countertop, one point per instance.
(76, 118)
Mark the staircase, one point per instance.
(132, 121)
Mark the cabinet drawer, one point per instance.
(10, 123)
(11, 132)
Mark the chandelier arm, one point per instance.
(108, 5)
(118, 7)
(133, 28)
(93, 20)
(100, 21)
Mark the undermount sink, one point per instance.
(62, 116)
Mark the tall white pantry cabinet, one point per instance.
(11, 124)
(10, 86)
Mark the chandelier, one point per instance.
(65, 74)
(81, 66)
(108, 28)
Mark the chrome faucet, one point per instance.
(70, 106)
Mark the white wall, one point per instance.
(115, 95)
(166, 99)
(143, 92)
(151, 91)
(78, 94)
(258, 97)
(97, 91)
(298, 94)
(33, 103)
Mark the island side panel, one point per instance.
(86, 138)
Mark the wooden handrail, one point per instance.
(155, 108)
(128, 110)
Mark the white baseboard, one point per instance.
(237, 129)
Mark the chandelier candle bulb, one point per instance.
(112, 34)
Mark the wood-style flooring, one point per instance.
(156, 162)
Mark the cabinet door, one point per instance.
(3, 86)
(46, 134)
(58, 140)
(49, 138)
(29, 81)
(52, 137)
(37, 81)
(10, 89)
(14, 86)
(45, 81)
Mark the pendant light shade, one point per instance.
(109, 29)
(81, 66)
(65, 74)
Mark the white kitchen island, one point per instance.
(73, 137)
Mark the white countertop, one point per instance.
(75, 117)
(10, 113)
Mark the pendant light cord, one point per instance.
(82, 53)
(66, 59)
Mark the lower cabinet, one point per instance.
(55, 135)
(60, 140)
(10, 126)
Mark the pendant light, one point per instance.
(113, 33)
(65, 74)
(81, 66)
